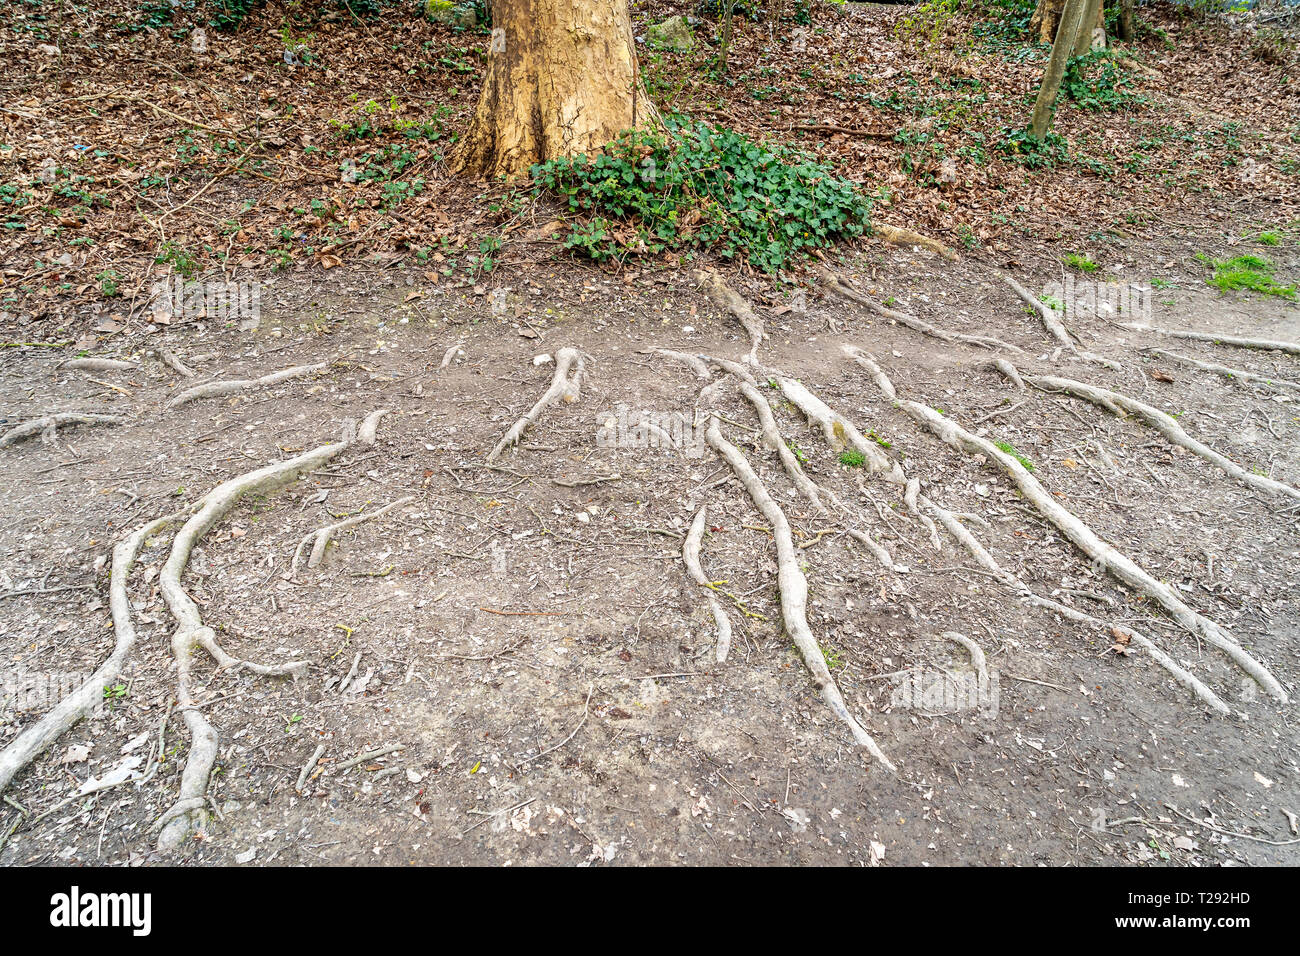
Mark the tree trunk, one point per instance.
(724, 43)
(1125, 26)
(562, 79)
(1066, 35)
(1047, 17)
(1094, 19)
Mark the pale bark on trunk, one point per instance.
(1092, 30)
(1066, 35)
(562, 79)
(1047, 18)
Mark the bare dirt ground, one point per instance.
(528, 634)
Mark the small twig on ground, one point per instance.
(369, 755)
(586, 708)
(307, 767)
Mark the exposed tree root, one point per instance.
(793, 587)
(898, 236)
(1266, 345)
(691, 555)
(172, 361)
(839, 431)
(694, 362)
(450, 355)
(98, 365)
(216, 389)
(767, 421)
(1120, 404)
(322, 537)
(191, 631)
(977, 660)
(1075, 530)
(36, 739)
(725, 298)
(47, 425)
(1054, 325)
(563, 387)
(805, 485)
(837, 285)
(1225, 371)
(953, 525)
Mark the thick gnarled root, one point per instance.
(1121, 405)
(564, 387)
(841, 288)
(191, 631)
(793, 587)
(320, 540)
(691, 557)
(47, 425)
(725, 298)
(1083, 537)
(898, 236)
(217, 389)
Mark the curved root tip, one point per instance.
(369, 426)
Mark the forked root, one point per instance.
(691, 556)
(840, 433)
(837, 285)
(191, 631)
(1054, 325)
(47, 425)
(563, 387)
(1083, 537)
(805, 485)
(320, 539)
(36, 739)
(793, 587)
(693, 362)
(173, 362)
(217, 389)
(963, 535)
(1120, 405)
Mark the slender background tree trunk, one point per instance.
(1125, 25)
(724, 44)
(1066, 35)
(1094, 19)
(562, 79)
